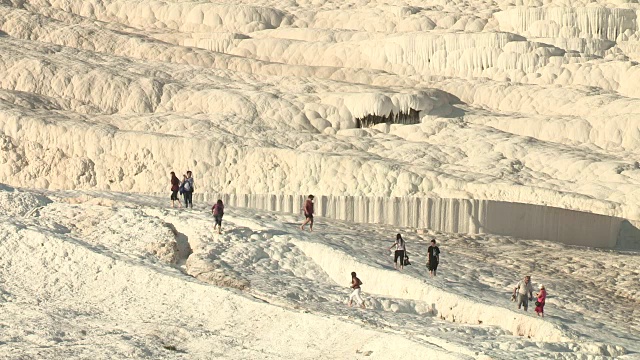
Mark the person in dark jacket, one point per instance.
(175, 186)
(433, 258)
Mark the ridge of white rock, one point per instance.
(113, 287)
(449, 306)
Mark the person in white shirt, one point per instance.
(524, 292)
(400, 252)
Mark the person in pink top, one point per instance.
(541, 297)
(308, 213)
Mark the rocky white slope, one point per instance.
(534, 102)
(520, 101)
(111, 276)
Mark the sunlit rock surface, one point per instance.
(452, 106)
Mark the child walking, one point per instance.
(218, 211)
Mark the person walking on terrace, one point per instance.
(175, 186)
(355, 294)
(524, 292)
(400, 252)
(541, 297)
(433, 258)
(218, 211)
(308, 213)
(188, 188)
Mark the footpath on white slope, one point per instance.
(44, 256)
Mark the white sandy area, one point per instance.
(82, 277)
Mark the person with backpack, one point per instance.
(175, 187)
(218, 211)
(400, 252)
(308, 213)
(355, 294)
(188, 187)
(433, 258)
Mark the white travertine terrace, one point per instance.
(523, 126)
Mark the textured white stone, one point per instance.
(520, 101)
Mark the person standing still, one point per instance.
(175, 186)
(181, 188)
(433, 258)
(400, 252)
(355, 294)
(524, 292)
(188, 190)
(308, 213)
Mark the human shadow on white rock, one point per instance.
(184, 248)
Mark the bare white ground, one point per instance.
(79, 280)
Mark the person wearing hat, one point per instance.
(541, 297)
(308, 213)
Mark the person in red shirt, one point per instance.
(308, 213)
(175, 186)
(541, 298)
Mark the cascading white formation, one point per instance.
(467, 216)
(104, 94)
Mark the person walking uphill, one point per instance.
(218, 211)
(355, 294)
(188, 187)
(433, 258)
(400, 252)
(524, 292)
(175, 186)
(541, 297)
(308, 213)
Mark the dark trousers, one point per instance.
(188, 196)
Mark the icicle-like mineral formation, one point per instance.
(412, 117)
